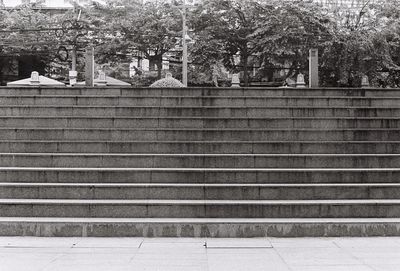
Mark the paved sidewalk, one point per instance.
(300, 254)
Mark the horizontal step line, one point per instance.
(196, 96)
(198, 129)
(198, 155)
(197, 142)
(196, 118)
(201, 107)
(75, 220)
(187, 185)
(241, 89)
(199, 202)
(70, 169)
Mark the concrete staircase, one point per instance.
(199, 162)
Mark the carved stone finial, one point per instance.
(35, 78)
(300, 83)
(102, 79)
(365, 82)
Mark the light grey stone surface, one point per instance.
(119, 254)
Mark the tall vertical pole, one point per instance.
(313, 69)
(73, 55)
(184, 49)
(89, 67)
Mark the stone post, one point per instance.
(35, 81)
(184, 49)
(89, 67)
(365, 82)
(72, 77)
(313, 68)
(102, 79)
(300, 83)
(235, 80)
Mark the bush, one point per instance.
(167, 82)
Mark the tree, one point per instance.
(287, 31)
(223, 30)
(150, 29)
(389, 12)
(359, 47)
(25, 35)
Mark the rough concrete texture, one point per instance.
(201, 162)
(215, 228)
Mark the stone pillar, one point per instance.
(313, 68)
(89, 67)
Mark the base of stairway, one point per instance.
(193, 227)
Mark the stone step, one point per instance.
(198, 227)
(249, 101)
(202, 111)
(86, 160)
(199, 175)
(207, 134)
(129, 91)
(290, 147)
(199, 191)
(364, 208)
(196, 122)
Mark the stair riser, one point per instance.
(154, 147)
(193, 229)
(200, 162)
(199, 193)
(199, 101)
(198, 112)
(202, 211)
(173, 176)
(196, 123)
(198, 135)
(200, 91)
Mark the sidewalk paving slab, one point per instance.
(191, 254)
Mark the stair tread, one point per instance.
(195, 96)
(203, 154)
(198, 220)
(198, 202)
(103, 169)
(199, 107)
(200, 142)
(200, 129)
(227, 185)
(201, 117)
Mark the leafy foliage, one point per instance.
(223, 30)
(150, 29)
(287, 31)
(228, 34)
